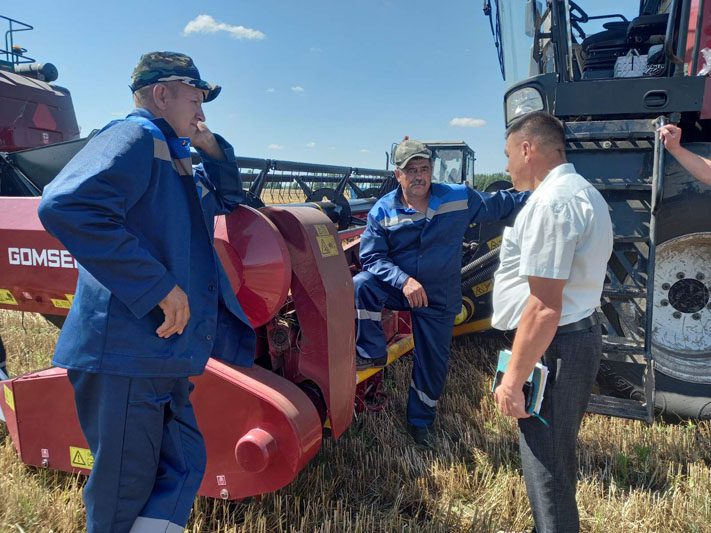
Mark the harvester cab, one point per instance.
(452, 162)
(42, 112)
(613, 78)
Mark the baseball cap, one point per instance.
(155, 67)
(409, 149)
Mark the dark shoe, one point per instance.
(422, 435)
(363, 363)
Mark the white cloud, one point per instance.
(271, 90)
(275, 147)
(311, 145)
(207, 24)
(297, 89)
(467, 122)
(315, 49)
(364, 151)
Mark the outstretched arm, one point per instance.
(492, 207)
(697, 166)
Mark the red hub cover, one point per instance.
(256, 260)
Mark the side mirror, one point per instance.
(392, 153)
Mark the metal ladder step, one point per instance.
(622, 344)
(622, 239)
(640, 186)
(623, 293)
(625, 408)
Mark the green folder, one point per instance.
(534, 387)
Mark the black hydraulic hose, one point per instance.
(480, 276)
(3, 361)
(479, 261)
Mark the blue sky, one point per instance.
(304, 80)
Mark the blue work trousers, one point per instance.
(149, 455)
(432, 331)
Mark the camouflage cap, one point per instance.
(155, 67)
(409, 149)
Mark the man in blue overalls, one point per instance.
(152, 301)
(411, 257)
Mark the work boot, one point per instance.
(363, 363)
(422, 435)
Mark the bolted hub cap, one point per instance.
(681, 320)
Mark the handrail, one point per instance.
(11, 56)
(697, 39)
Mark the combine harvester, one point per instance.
(290, 264)
(586, 68)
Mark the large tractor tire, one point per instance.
(681, 320)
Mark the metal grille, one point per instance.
(288, 182)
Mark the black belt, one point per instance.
(580, 325)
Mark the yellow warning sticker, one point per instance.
(9, 397)
(81, 457)
(6, 298)
(70, 297)
(494, 243)
(483, 287)
(321, 229)
(327, 244)
(62, 304)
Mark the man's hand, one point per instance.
(177, 313)
(671, 135)
(205, 140)
(511, 401)
(415, 293)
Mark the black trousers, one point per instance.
(550, 465)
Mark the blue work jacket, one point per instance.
(138, 222)
(400, 242)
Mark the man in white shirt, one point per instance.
(549, 282)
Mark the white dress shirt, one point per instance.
(563, 232)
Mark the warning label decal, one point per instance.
(483, 288)
(6, 298)
(81, 457)
(321, 229)
(61, 304)
(327, 245)
(9, 397)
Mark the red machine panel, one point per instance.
(34, 113)
(260, 430)
(37, 273)
(322, 291)
(256, 260)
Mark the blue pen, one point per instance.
(539, 417)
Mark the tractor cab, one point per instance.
(452, 162)
(575, 58)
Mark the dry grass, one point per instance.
(633, 477)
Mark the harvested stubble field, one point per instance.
(632, 477)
